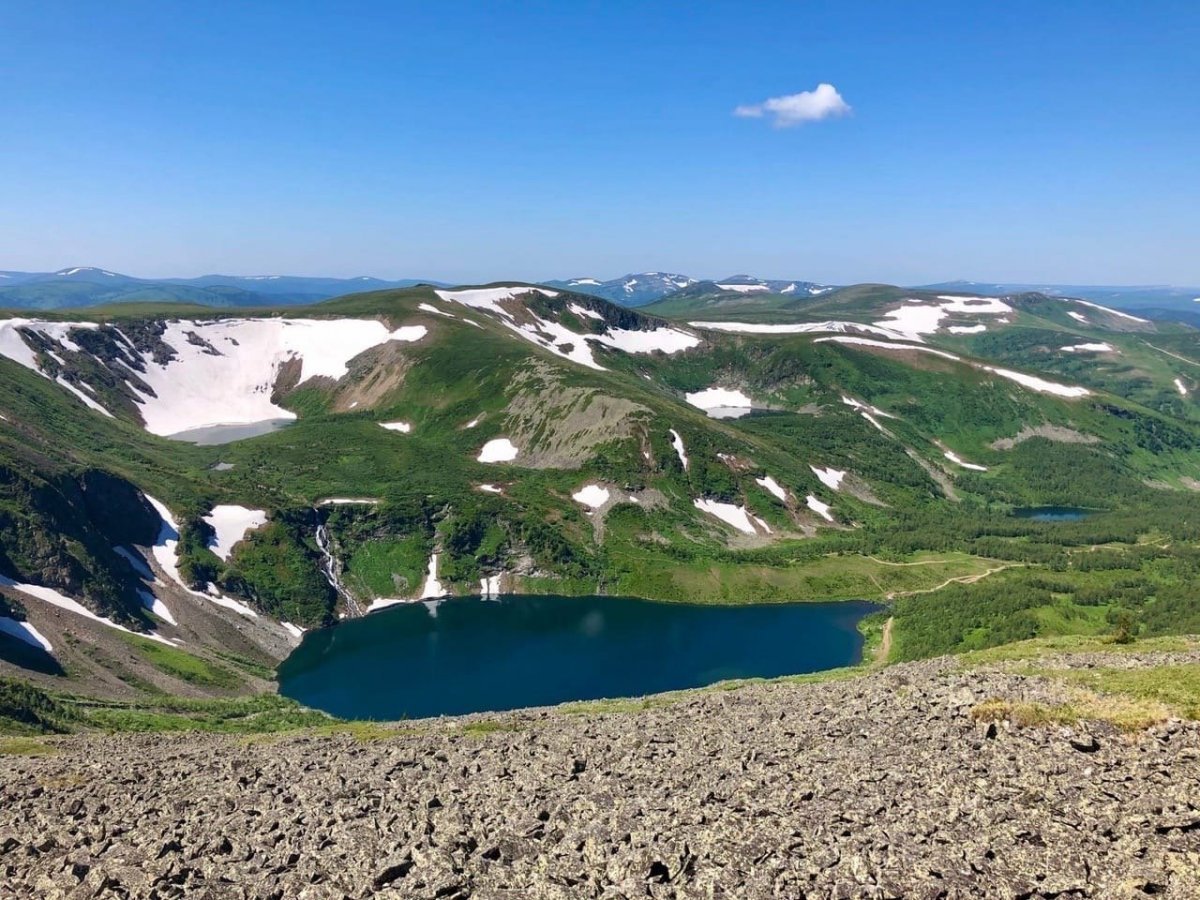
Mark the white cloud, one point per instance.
(822, 102)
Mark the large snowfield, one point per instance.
(224, 371)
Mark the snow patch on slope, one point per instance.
(559, 339)
(1041, 385)
(1113, 312)
(773, 486)
(1097, 347)
(958, 461)
(821, 509)
(831, 326)
(737, 516)
(677, 443)
(164, 550)
(54, 598)
(433, 588)
(230, 525)
(498, 450)
(25, 633)
(592, 495)
(831, 478)
(885, 345)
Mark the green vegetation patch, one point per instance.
(184, 666)
(25, 747)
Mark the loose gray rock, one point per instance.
(882, 786)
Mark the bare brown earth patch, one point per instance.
(1058, 433)
(372, 377)
(558, 426)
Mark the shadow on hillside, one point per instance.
(26, 657)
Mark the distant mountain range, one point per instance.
(83, 286)
(78, 286)
(644, 288)
(1156, 301)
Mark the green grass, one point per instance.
(489, 726)
(1052, 646)
(184, 666)
(1176, 687)
(25, 747)
(259, 714)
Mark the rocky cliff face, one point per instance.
(59, 531)
(885, 786)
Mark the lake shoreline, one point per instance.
(461, 655)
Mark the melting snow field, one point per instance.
(54, 598)
(231, 524)
(164, 551)
(584, 312)
(677, 443)
(884, 345)
(1113, 312)
(559, 339)
(831, 478)
(828, 327)
(224, 371)
(591, 495)
(773, 486)
(744, 288)
(498, 450)
(958, 461)
(821, 509)
(402, 427)
(433, 588)
(25, 632)
(1090, 348)
(1079, 317)
(491, 489)
(918, 317)
(1040, 385)
(718, 398)
(1181, 387)
(727, 513)
(1030, 381)
(668, 340)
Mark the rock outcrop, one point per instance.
(885, 785)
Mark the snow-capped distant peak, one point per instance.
(78, 269)
(743, 288)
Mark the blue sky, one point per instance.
(475, 141)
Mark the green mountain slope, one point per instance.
(542, 440)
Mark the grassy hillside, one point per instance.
(905, 518)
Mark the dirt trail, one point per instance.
(960, 579)
(884, 650)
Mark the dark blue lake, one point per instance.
(471, 655)
(1053, 513)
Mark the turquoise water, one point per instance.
(470, 655)
(1053, 513)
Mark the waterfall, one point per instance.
(331, 570)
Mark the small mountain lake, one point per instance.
(470, 655)
(1053, 513)
(212, 435)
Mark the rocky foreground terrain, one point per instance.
(885, 785)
